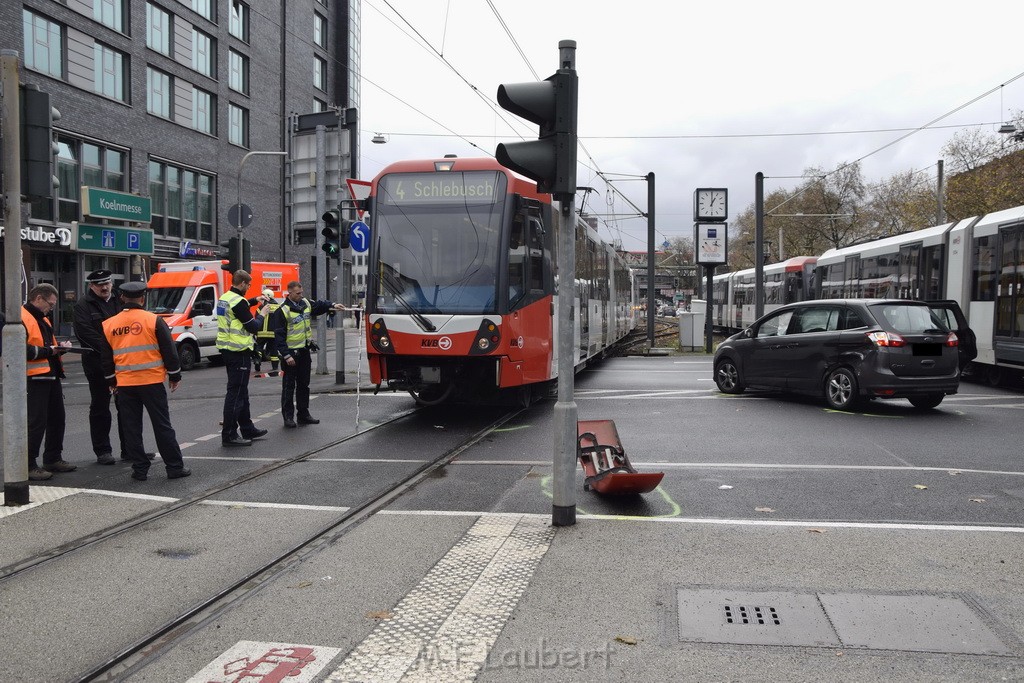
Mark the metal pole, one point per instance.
(709, 274)
(319, 255)
(348, 120)
(238, 197)
(650, 260)
(940, 210)
(563, 490)
(758, 245)
(15, 438)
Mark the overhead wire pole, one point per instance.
(15, 437)
(758, 245)
(318, 254)
(349, 118)
(650, 259)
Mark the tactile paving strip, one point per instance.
(444, 627)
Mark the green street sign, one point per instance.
(111, 239)
(118, 206)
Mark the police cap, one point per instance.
(99, 277)
(133, 289)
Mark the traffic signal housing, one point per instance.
(230, 251)
(552, 104)
(335, 233)
(38, 148)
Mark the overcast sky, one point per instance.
(702, 94)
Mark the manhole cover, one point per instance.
(917, 623)
(753, 618)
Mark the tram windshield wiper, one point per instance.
(420, 319)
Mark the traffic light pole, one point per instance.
(318, 253)
(15, 437)
(563, 500)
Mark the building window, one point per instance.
(238, 23)
(319, 30)
(238, 72)
(182, 201)
(158, 93)
(202, 111)
(81, 162)
(202, 53)
(109, 13)
(158, 29)
(320, 73)
(203, 8)
(109, 69)
(44, 45)
(238, 125)
(319, 105)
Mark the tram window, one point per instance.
(983, 269)
(535, 273)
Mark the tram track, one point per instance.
(150, 647)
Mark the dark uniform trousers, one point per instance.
(236, 401)
(100, 418)
(153, 397)
(296, 382)
(45, 418)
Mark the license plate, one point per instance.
(927, 349)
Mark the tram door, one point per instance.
(1009, 294)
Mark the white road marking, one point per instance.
(255, 661)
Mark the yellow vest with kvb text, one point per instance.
(137, 360)
(298, 326)
(231, 333)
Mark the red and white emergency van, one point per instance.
(185, 295)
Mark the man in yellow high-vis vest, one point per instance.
(235, 329)
(138, 356)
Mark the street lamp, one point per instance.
(379, 139)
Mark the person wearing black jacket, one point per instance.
(293, 333)
(46, 414)
(92, 309)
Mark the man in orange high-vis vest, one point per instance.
(138, 356)
(45, 394)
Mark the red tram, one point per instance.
(462, 282)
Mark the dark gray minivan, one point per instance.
(847, 350)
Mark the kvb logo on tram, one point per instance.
(443, 343)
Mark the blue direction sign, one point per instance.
(111, 239)
(359, 236)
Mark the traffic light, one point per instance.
(551, 159)
(230, 252)
(335, 233)
(38, 147)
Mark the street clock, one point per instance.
(711, 204)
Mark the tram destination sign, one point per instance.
(440, 188)
(119, 206)
(111, 239)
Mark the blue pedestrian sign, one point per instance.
(359, 236)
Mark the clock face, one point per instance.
(711, 204)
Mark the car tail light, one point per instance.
(890, 339)
(952, 339)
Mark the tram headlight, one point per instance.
(379, 338)
(487, 338)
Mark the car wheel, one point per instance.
(727, 377)
(926, 402)
(188, 355)
(841, 389)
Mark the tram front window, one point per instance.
(438, 238)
